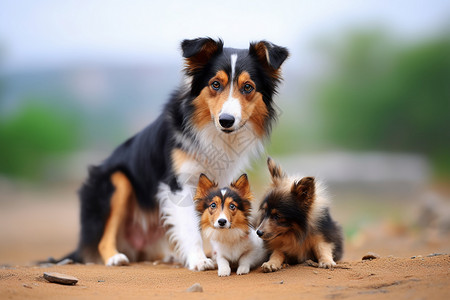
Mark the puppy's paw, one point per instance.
(224, 271)
(270, 267)
(243, 269)
(118, 259)
(327, 264)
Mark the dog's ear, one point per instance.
(243, 187)
(203, 187)
(198, 52)
(275, 170)
(304, 190)
(270, 55)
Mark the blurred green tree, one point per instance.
(32, 136)
(385, 95)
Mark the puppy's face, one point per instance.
(232, 87)
(287, 205)
(223, 208)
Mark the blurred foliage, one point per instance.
(32, 136)
(389, 96)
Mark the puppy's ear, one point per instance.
(243, 187)
(203, 187)
(275, 170)
(198, 52)
(304, 190)
(270, 55)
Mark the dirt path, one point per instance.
(35, 225)
(389, 278)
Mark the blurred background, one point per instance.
(365, 105)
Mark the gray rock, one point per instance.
(435, 254)
(370, 256)
(60, 278)
(195, 288)
(66, 261)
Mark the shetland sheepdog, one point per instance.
(295, 222)
(138, 203)
(224, 221)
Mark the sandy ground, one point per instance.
(37, 224)
(389, 278)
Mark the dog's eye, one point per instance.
(215, 85)
(232, 206)
(247, 89)
(275, 216)
(213, 205)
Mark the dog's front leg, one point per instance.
(324, 254)
(182, 221)
(223, 266)
(244, 263)
(275, 262)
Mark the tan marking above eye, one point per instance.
(243, 80)
(221, 77)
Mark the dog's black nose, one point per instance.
(226, 120)
(222, 222)
(259, 233)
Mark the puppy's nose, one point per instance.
(222, 222)
(226, 120)
(259, 233)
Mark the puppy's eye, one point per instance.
(215, 85)
(275, 216)
(232, 206)
(213, 205)
(247, 89)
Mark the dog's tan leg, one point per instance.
(118, 209)
(275, 262)
(324, 254)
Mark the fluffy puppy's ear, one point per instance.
(203, 187)
(197, 52)
(243, 187)
(304, 190)
(270, 55)
(275, 170)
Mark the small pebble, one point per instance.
(66, 261)
(435, 254)
(315, 272)
(195, 288)
(47, 265)
(26, 286)
(416, 256)
(60, 278)
(370, 256)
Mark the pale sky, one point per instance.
(54, 32)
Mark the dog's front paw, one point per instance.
(118, 259)
(224, 271)
(205, 264)
(270, 267)
(327, 264)
(243, 269)
(199, 263)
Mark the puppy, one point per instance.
(296, 224)
(224, 220)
